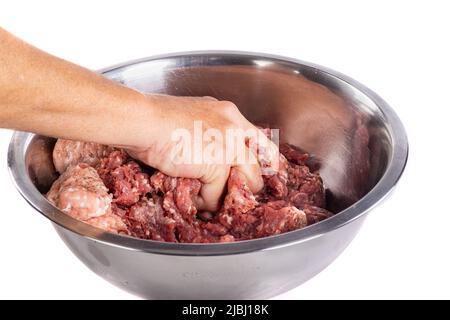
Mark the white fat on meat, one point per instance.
(108, 222)
(81, 193)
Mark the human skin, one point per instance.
(46, 95)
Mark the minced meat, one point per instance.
(108, 189)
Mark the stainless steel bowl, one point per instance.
(355, 137)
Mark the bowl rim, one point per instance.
(397, 162)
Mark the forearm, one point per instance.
(43, 94)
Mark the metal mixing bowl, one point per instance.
(355, 137)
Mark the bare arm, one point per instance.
(44, 94)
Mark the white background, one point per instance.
(399, 49)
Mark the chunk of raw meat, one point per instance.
(293, 155)
(147, 220)
(69, 152)
(302, 182)
(179, 194)
(239, 198)
(315, 214)
(276, 185)
(246, 218)
(124, 178)
(279, 220)
(81, 193)
(109, 222)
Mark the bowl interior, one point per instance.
(341, 127)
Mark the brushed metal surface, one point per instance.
(355, 137)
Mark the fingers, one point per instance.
(214, 184)
(209, 98)
(216, 177)
(252, 173)
(268, 154)
(265, 150)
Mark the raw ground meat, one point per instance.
(69, 152)
(162, 208)
(124, 178)
(81, 193)
(109, 222)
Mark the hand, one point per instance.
(155, 144)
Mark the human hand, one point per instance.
(189, 137)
